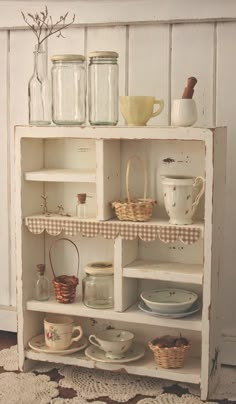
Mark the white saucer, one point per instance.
(135, 352)
(38, 344)
(196, 307)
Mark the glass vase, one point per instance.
(39, 91)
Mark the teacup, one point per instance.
(183, 112)
(181, 197)
(115, 343)
(137, 110)
(59, 330)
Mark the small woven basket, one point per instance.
(64, 285)
(139, 210)
(169, 358)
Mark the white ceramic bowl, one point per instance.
(169, 300)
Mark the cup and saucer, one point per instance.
(37, 343)
(58, 337)
(114, 346)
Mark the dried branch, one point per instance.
(43, 26)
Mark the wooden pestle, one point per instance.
(189, 89)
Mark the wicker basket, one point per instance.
(64, 285)
(169, 358)
(139, 210)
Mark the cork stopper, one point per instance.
(81, 198)
(189, 89)
(41, 269)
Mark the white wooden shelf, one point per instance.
(132, 315)
(164, 271)
(145, 366)
(170, 151)
(61, 175)
(117, 132)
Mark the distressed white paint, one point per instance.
(195, 44)
(204, 327)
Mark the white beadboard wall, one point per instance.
(160, 43)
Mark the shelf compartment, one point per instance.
(145, 366)
(61, 175)
(164, 271)
(147, 231)
(131, 315)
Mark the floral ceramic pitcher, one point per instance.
(181, 197)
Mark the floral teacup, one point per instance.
(58, 331)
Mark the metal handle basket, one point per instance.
(64, 285)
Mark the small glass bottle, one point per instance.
(103, 88)
(42, 289)
(68, 89)
(81, 206)
(98, 285)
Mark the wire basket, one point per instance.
(64, 285)
(139, 210)
(169, 358)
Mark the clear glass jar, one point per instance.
(103, 88)
(42, 288)
(98, 285)
(68, 89)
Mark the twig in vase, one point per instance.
(43, 27)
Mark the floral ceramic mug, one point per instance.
(59, 330)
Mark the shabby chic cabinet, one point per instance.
(63, 161)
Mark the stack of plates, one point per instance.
(170, 303)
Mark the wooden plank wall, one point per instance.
(155, 59)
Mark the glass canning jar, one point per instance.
(98, 285)
(103, 88)
(68, 89)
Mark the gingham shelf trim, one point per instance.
(146, 231)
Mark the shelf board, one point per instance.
(145, 366)
(147, 231)
(61, 175)
(164, 271)
(116, 132)
(132, 315)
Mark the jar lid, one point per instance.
(99, 268)
(103, 54)
(67, 58)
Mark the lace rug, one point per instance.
(89, 384)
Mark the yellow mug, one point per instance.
(137, 110)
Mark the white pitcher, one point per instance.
(181, 197)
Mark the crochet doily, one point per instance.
(94, 383)
(26, 388)
(8, 358)
(173, 399)
(75, 400)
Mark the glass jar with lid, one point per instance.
(103, 88)
(98, 285)
(68, 89)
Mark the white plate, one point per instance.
(196, 307)
(38, 344)
(170, 300)
(136, 351)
